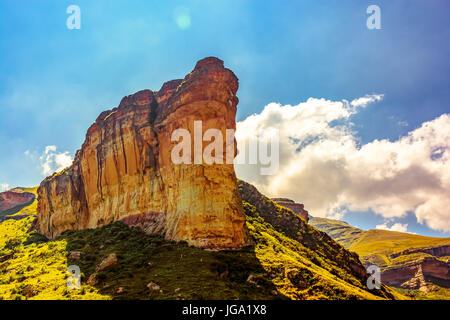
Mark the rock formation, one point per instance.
(440, 251)
(124, 169)
(14, 198)
(418, 274)
(298, 208)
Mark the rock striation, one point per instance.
(124, 170)
(14, 198)
(439, 251)
(418, 274)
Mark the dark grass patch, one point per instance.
(182, 272)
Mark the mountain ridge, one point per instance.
(407, 261)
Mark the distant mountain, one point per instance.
(407, 260)
(339, 230)
(12, 201)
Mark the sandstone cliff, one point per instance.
(124, 170)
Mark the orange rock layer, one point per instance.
(14, 198)
(124, 169)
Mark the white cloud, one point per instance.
(4, 187)
(364, 101)
(324, 165)
(52, 161)
(49, 149)
(395, 227)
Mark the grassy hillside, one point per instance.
(438, 294)
(379, 245)
(305, 248)
(277, 267)
(399, 255)
(339, 230)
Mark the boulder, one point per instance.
(108, 262)
(74, 255)
(153, 286)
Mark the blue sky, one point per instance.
(55, 81)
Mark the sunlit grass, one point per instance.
(283, 267)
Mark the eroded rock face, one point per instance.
(124, 169)
(297, 208)
(419, 274)
(14, 198)
(439, 251)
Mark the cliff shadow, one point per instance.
(141, 266)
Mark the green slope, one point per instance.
(395, 252)
(339, 230)
(381, 245)
(378, 246)
(303, 247)
(289, 260)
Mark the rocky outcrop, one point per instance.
(439, 251)
(418, 274)
(14, 198)
(124, 169)
(107, 263)
(297, 208)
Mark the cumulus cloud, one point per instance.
(52, 161)
(4, 187)
(395, 227)
(323, 164)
